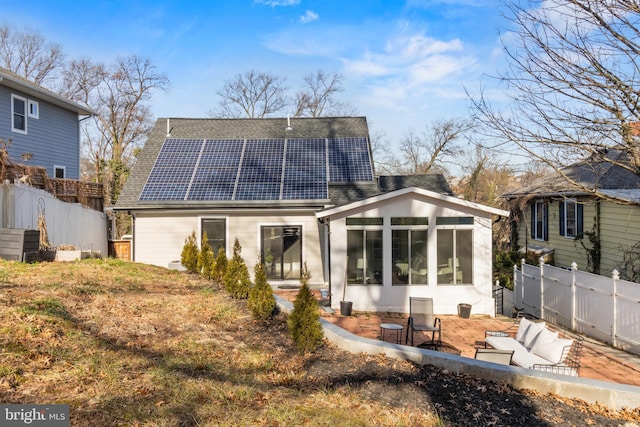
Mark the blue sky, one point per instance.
(405, 63)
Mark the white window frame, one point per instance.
(545, 207)
(13, 113)
(33, 109)
(574, 203)
(455, 266)
(410, 229)
(378, 225)
(57, 168)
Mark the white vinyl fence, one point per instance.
(605, 308)
(66, 223)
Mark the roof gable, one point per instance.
(17, 82)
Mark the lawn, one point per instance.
(138, 345)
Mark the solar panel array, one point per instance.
(255, 169)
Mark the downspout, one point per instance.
(133, 236)
(80, 145)
(327, 225)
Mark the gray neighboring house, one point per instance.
(43, 127)
(304, 191)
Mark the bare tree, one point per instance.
(485, 178)
(429, 152)
(27, 54)
(572, 83)
(119, 93)
(319, 96)
(252, 95)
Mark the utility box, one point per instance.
(18, 245)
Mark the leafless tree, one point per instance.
(572, 83)
(118, 93)
(485, 178)
(319, 96)
(252, 95)
(28, 54)
(429, 152)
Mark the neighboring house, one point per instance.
(304, 191)
(562, 221)
(41, 127)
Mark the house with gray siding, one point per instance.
(40, 127)
(304, 191)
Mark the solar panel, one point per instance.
(255, 169)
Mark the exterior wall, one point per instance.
(396, 298)
(159, 237)
(53, 138)
(619, 229)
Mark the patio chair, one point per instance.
(492, 355)
(421, 319)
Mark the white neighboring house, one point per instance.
(304, 191)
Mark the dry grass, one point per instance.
(130, 344)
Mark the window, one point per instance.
(59, 172)
(281, 251)
(455, 250)
(34, 109)
(540, 220)
(571, 222)
(18, 114)
(409, 251)
(364, 251)
(216, 229)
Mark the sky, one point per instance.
(405, 63)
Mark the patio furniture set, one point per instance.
(525, 343)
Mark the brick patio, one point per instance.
(461, 336)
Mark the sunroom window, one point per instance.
(455, 250)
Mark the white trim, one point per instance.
(23, 99)
(409, 190)
(63, 168)
(30, 111)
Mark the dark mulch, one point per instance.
(458, 399)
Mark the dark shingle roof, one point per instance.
(597, 172)
(324, 127)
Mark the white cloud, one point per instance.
(275, 3)
(309, 16)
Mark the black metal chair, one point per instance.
(422, 319)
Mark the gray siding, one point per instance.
(53, 138)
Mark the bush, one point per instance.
(236, 279)
(503, 267)
(206, 259)
(304, 321)
(220, 266)
(190, 252)
(261, 302)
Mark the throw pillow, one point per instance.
(533, 331)
(552, 351)
(522, 329)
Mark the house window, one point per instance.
(455, 250)
(216, 229)
(409, 251)
(540, 220)
(59, 172)
(570, 213)
(34, 109)
(18, 114)
(281, 251)
(364, 251)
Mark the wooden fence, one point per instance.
(605, 308)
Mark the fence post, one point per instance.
(541, 288)
(574, 270)
(615, 276)
(522, 262)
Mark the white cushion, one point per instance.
(522, 329)
(553, 350)
(533, 331)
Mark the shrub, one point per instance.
(261, 302)
(304, 321)
(236, 279)
(190, 252)
(206, 259)
(220, 266)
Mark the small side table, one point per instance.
(391, 327)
